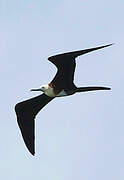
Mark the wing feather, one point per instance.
(65, 64)
(26, 112)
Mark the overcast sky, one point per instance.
(80, 137)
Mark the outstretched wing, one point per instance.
(26, 112)
(65, 64)
(65, 75)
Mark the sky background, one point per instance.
(77, 137)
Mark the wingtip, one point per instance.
(31, 151)
(107, 45)
(33, 154)
(111, 44)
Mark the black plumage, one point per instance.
(26, 111)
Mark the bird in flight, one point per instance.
(61, 85)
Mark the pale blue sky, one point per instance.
(77, 137)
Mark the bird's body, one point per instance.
(61, 85)
(50, 91)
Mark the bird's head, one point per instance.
(43, 88)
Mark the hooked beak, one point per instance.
(39, 89)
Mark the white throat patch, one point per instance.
(49, 91)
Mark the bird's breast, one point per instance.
(53, 93)
(50, 92)
(62, 93)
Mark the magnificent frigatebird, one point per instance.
(61, 85)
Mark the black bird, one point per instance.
(61, 85)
